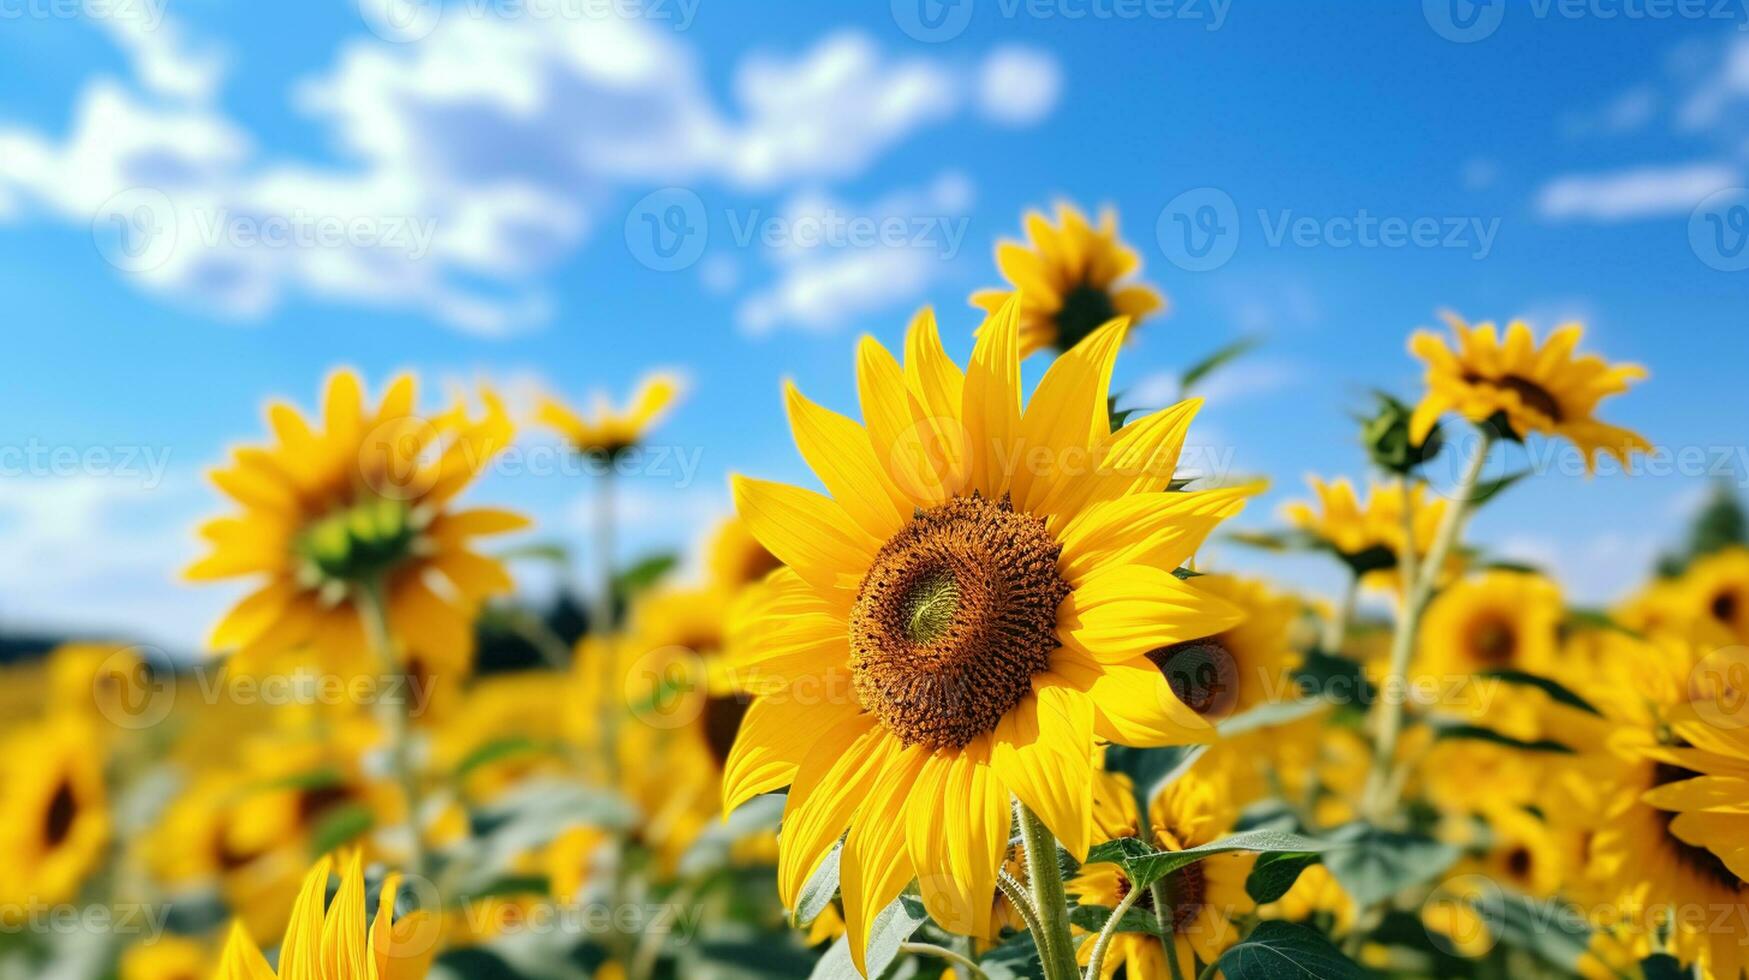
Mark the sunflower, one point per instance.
(1715, 589)
(165, 958)
(1315, 895)
(1240, 668)
(101, 681)
(1206, 897)
(54, 825)
(334, 943)
(967, 632)
(1518, 388)
(1368, 538)
(1497, 621)
(361, 504)
(1067, 281)
(611, 432)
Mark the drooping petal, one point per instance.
(829, 786)
(1042, 750)
(875, 866)
(957, 829)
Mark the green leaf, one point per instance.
(1553, 689)
(892, 926)
(1203, 368)
(1485, 492)
(1272, 713)
(1276, 540)
(1552, 929)
(495, 750)
(1478, 733)
(1144, 865)
(1135, 919)
(1375, 864)
(1594, 619)
(551, 551)
(1016, 959)
(645, 573)
(1274, 874)
(818, 892)
(340, 825)
(1151, 770)
(1285, 951)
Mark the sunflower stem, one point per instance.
(1100, 945)
(1163, 916)
(601, 621)
(1419, 577)
(1050, 901)
(960, 960)
(1336, 627)
(395, 715)
(1017, 896)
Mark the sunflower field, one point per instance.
(971, 706)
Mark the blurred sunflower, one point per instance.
(1520, 388)
(165, 958)
(1369, 539)
(735, 558)
(1239, 668)
(1316, 895)
(337, 941)
(1205, 898)
(1499, 620)
(1715, 589)
(940, 643)
(362, 503)
(54, 822)
(1067, 280)
(610, 432)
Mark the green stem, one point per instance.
(961, 961)
(1016, 894)
(1050, 901)
(601, 623)
(1336, 627)
(395, 718)
(1163, 916)
(1419, 577)
(1208, 972)
(1100, 945)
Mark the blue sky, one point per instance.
(464, 190)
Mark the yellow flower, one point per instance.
(165, 958)
(1240, 668)
(364, 499)
(1713, 591)
(1521, 388)
(339, 942)
(1369, 538)
(736, 559)
(99, 681)
(1499, 620)
(612, 431)
(54, 825)
(1315, 893)
(1067, 281)
(1206, 897)
(960, 627)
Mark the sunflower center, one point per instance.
(1724, 607)
(1184, 890)
(1493, 641)
(1696, 859)
(958, 611)
(1202, 673)
(1518, 862)
(354, 543)
(722, 722)
(1085, 309)
(62, 811)
(1533, 395)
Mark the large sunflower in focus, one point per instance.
(362, 502)
(958, 627)
(1067, 280)
(1521, 388)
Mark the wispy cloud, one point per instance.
(1640, 192)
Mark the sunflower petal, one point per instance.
(1042, 751)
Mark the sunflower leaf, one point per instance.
(1274, 874)
(818, 892)
(1662, 966)
(1487, 491)
(1375, 864)
(1094, 917)
(1016, 959)
(1203, 368)
(1285, 951)
(340, 825)
(1554, 689)
(892, 926)
(1144, 865)
(1481, 734)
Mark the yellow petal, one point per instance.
(1069, 415)
(1160, 529)
(1141, 457)
(956, 832)
(841, 455)
(990, 404)
(828, 788)
(300, 951)
(775, 737)
(805, 531)
(1132, 702)
(1042, 751)
(898, 431)
(1122, 612)
(874, 867)
(242, 959)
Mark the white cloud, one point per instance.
(1018, 86)
(474, 160)
(1640, 192)
(1725, 88)
(165, 61)
(827, 275)
(1238, 381)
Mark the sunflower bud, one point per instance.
(1386, 437)
(352, 544)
